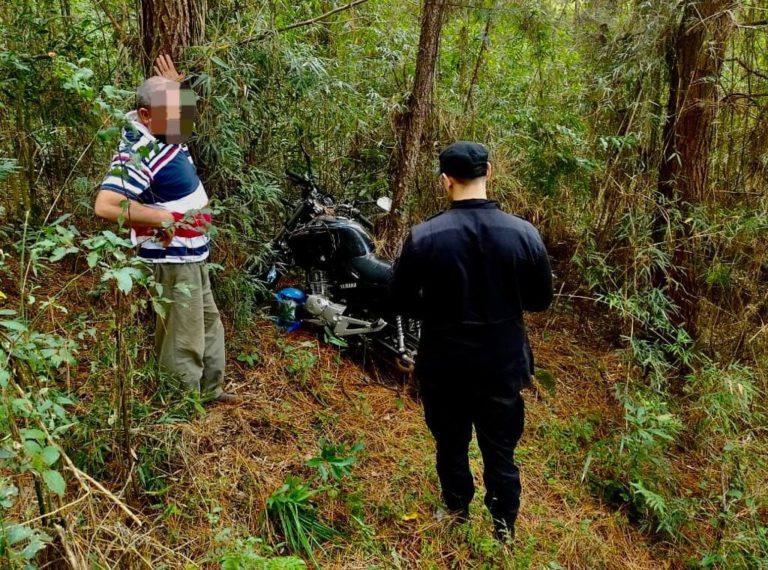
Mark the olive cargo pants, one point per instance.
(189, 339)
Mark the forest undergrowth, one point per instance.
(315, 419)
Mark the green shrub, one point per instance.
(291, 511)
(253, 554)
(335, 461)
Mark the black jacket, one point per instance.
(469, 273)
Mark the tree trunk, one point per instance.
(694, 60)
(411, 121)
(169, 25)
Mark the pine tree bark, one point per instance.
(167, 26)
(694, 60)
(411, 121)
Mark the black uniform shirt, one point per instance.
(469, 273)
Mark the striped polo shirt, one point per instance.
(161, 176)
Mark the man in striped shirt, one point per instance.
(153, 185)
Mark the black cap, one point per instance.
(464, 160)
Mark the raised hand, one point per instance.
(164, 67)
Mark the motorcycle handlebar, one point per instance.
(298, 178)
(368, 224)
(351, 210)
(309, 188)
(301, 180)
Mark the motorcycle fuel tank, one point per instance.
(329, 241)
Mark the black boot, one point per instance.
(454, 516)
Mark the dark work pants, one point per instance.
(450, 414)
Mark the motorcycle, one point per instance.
(345, 284)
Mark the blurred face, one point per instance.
(171, 115)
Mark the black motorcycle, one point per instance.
(345, 285)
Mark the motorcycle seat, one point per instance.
(372, 270)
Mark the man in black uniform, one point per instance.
(469, 273)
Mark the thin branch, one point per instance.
(751, 96)
(112, 19)
(749, 69)
(60, 509)
(303, 23)
(322, 16)
(83, 478)
(478, 62)
(484, 8)
(74, 561)
(753, 25)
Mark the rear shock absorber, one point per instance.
(404, 361)
(400, 334)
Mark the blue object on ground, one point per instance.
(289, 300)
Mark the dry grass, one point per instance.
(222, 467)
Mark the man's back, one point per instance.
(469, 273)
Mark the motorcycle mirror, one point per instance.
(385, 203)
